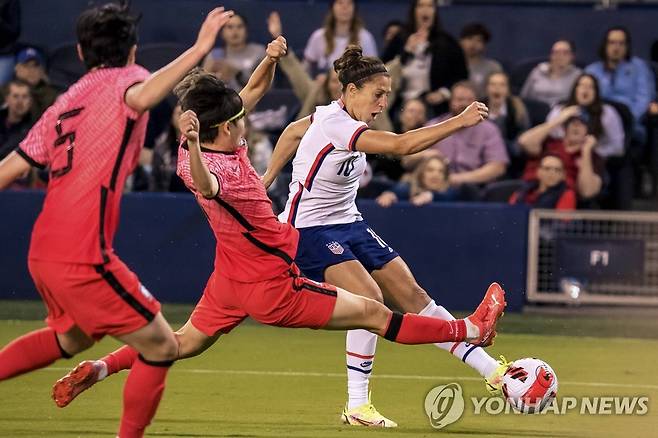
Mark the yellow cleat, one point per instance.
(366, 415)
(494, 382)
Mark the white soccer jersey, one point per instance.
(326, 171)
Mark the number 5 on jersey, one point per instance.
(64, 138)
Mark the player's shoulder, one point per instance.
(332, 111)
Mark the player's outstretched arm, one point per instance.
(285, 149)
(261, 79)
(145, 95)
(411, 142)
(204, 181)
(13, 166)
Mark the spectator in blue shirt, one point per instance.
(624, 78)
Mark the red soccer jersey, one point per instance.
(252, 245)
(90, 139)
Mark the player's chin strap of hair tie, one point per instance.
(241, 113)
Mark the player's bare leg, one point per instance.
(192, 341)
(360, 345)
(353, 311)
(401, 289)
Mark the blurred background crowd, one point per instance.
(561, 134)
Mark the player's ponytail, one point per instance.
(354, 68)
(211, 100)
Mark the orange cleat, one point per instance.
(487, 314)
(81, 378)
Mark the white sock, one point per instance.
(472, 355)
(102, 369)
(360, 353)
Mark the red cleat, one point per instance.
(487, 314)
(82, 377)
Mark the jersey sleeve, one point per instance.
(36, 147)
(343, 132)
(128, 77)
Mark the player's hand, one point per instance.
(422, 198)
(189, 126)
(277, 48)
(211, 26)
(474, 114)
(274, 24)
(386, 199)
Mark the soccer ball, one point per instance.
(529, 385)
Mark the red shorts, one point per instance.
(285, 301)
(100, 299)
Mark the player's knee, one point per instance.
(375, 313)
(415, 300)
(74, 342)
(373, 292)
(167, 350)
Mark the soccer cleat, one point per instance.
(366, 415)
(494, 381)
(81, 378)
(487, 314)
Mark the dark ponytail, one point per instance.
(211, 100)
(354, 68)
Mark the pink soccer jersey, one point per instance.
(252, 245)
(90, 140)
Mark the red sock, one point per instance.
(141, 396)
(121, 359)
(415, 329)
(31, 351)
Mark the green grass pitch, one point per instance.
(268, 382)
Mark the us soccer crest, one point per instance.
(336, 248)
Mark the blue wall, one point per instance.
(519, 31)
(455, 251)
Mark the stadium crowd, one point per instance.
(563, 136)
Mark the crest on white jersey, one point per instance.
(335, 247)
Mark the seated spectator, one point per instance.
(477, 155)
(624, 78)
(551, 81)
(510, 115)
(604, 121)
(15, 117)
(342, 26)
(412, 116)
(428, 183)
(235, 62)
(584, 168)
(10, 19)
(31, 68)
(549, 190)
(432, 60)
(473, 39)
(326, 87)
